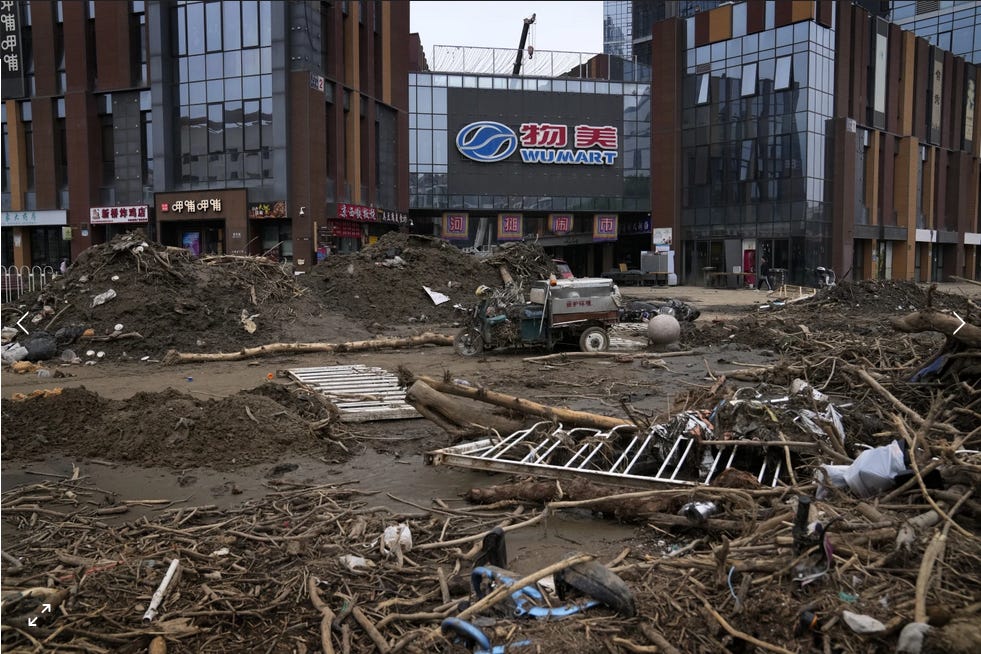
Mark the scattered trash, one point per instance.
(13, 352)
(102, 298)
(872, 471)
(699, 511)
(437, 297)
(158, 596)
(248, 321)
(862, 624)
(911, 638)
(353, 562)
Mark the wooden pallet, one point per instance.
(360, 393)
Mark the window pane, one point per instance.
(749, 79)
(250, 24)
(233, 27)
(783, 74)
(703, 89)
(195, 29)
(213, 23)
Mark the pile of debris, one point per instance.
(135, 296)
(390, 281)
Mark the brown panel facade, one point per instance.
(825, 12)
(307, 153)
(905, 86)
(17, 151)
(755, 17)
(858, 59)
(948, 100)
(940, 190)
(702, 28)
(84, 147)
(43, 31)
(894, 73)
(802, 10)
(112, 46)
(887, 172)
(668, 59)
(44, 152)
(720, 24)
(783, 13)
(921, 95)
(904, 197)
(234, 211)
(79, 60)
(842, 63)
(843, 195)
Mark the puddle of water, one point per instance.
(407, 478)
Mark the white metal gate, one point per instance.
(360, 393)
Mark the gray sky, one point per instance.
(565, 26)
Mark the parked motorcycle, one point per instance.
(826, 277)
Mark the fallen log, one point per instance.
(567, 417)
(456, 416)
(428, 338)
(949, 325)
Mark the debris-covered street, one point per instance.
(797, 473)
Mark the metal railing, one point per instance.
(17, 280)
(543, 63)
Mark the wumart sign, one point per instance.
(487, 141)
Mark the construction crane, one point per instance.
(521, 44)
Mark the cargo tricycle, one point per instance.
(568, 311)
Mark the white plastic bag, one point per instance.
(870, 473)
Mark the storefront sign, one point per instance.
(106, 215)
(605, 227)
(637, 226)
(344, 229)
(362, 213)
(456, 226)
(32, 218)
(487, 141)
(560, 223)
(258, 210)
(203, 205)
(11, 50)
(509, 227)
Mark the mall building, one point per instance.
(234, 127)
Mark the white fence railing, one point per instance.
(16, 280)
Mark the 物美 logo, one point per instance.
(486, 141)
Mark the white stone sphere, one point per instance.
(663, 329)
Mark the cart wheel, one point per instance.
(594, 339)
(468, 342)
(595, 580)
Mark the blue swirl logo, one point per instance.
(486, 141)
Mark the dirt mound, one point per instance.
(164, 299)
(384, 282)
(170, 428)
(847, 310)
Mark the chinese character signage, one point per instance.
(107, 215)
(605, 227)
(509, 227)
(32, 218)
(456, 226)
(360, 213)
(259, 210)
(560, 223)
(638, 226)
(11, 51)
(192, 206)
(344, 229)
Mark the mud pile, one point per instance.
(171, 428)
(384, 283)
(141, 299)
(847, 311)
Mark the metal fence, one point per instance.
(543, 63)
(17, 280)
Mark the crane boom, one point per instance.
(521, 44)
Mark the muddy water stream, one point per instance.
(393, 484)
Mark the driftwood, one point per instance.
(428, 338)
(456, 416)
(949, 325)
(567, 417)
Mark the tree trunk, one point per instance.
(456, 416)
(429, 338)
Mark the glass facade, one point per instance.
(755, 144)
(223, 90)
(429, 143)
(953, 25)
(616, 28)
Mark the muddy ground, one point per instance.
(149, 442)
